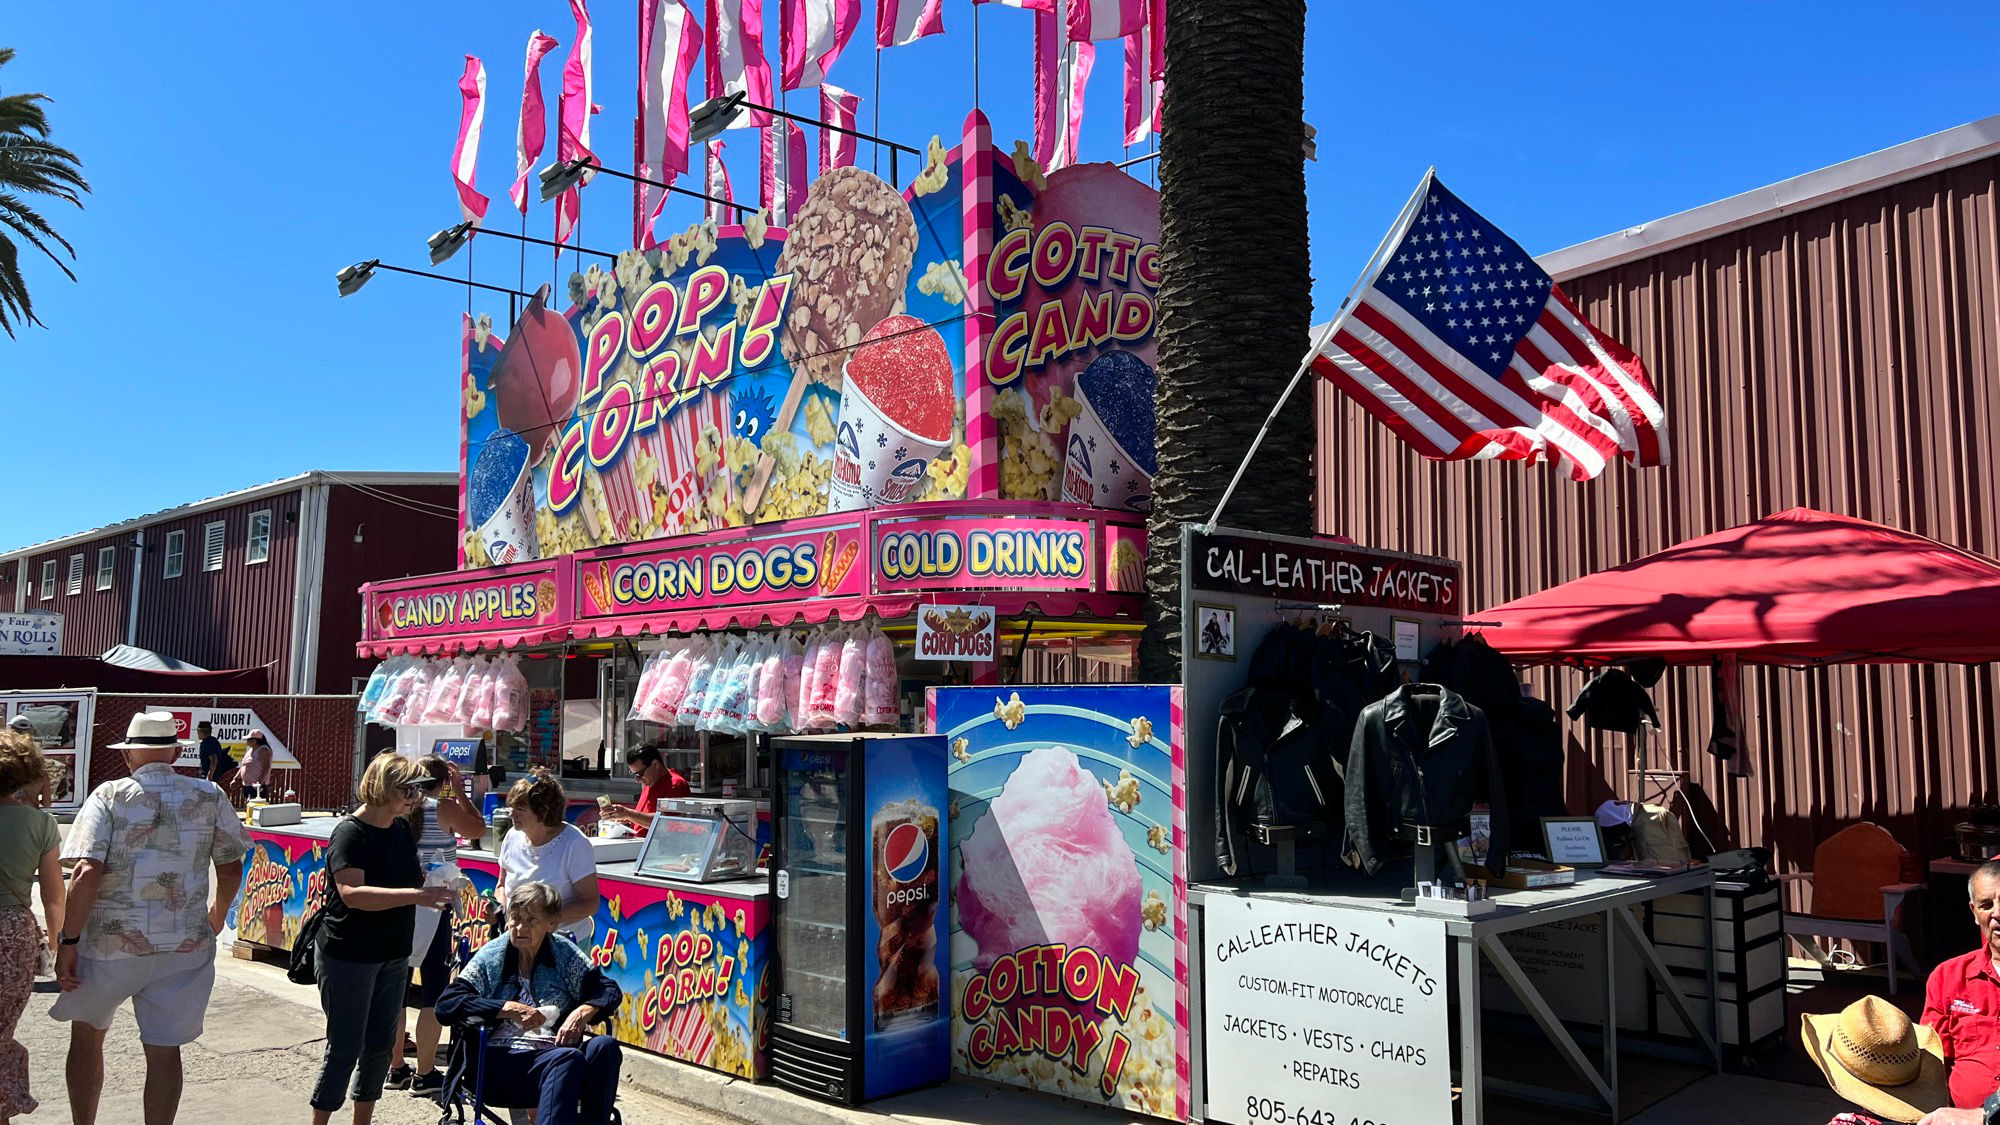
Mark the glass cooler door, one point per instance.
(812, 917)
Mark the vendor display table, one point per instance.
(1608, 897)
(692, 959)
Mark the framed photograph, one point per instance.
(1573, 841)
(1215, 627)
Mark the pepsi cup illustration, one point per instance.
(904, 846)
(1109, 460)
(501, 496)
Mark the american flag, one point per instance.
(1463, 346)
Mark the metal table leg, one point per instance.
(1714, 1001)
(1551, 1025)
(1609, 936)
(1471, 1067)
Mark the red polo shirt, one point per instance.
(668, 784)
(1962, 1004)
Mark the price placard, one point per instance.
(1323, 1015)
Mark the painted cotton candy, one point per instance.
(1047, 863)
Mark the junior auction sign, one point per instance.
(1319, 1015)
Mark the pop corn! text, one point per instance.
(1002, 1003)
(686, 968)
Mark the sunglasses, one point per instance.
(412, 792)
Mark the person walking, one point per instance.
(256, 766)
(28, 852)
(363, 960)
(544, 847)
(444, 816)
(216, 765)
(139, 923)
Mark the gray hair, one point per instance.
(1988, 872)
(534, 896)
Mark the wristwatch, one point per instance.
(63, 939)
(1990, 1110)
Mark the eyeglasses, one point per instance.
(412, 792)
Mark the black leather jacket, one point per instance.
(1275, 766)
(1421, 758)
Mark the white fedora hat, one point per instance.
(150, 730)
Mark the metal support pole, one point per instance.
(1471, 1067)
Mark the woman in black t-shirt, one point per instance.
(364, 952)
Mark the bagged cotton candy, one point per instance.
(647, 674)
(879, 703)
(406, 701)
(670, 686)
(802, 699)
(825, 682)
(442, 706)
(791, 662)
(510, 696)
(767, 691)
(847, 681)
(478, 697)
(718, 681)
(700, 668)
(734, 698)
(378, 682)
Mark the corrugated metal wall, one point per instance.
(400, 536)
(317, 729)
(93, 619)
(1844, 358)
(239, 616)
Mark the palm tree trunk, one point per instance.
(1235, 299)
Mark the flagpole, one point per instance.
(1368, 272)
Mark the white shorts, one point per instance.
(169, 994)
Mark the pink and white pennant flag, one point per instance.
(1156, 38)
(782, 186)
(736, 62)
(1142, 90)
(575, 109)
(669, 40)
(718, 183)
(811, 34)
(1105, 19)
(533, 130)
(1027, 5)
(901, 22)
(836, 107)
(471, 121)
(1059, 95)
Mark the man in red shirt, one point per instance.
(1962, 1000)
(656, 782)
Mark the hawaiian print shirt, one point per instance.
(156, 832)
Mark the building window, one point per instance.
(211, 546)
(75, 584)
(48, 579)
(260, 538)
(177, 542)
(107, 561)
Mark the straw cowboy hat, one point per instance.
(150, 730)
(1873, 1056)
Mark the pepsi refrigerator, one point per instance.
(861, 906)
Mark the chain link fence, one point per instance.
(321, 731)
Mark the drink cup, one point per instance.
(1108, 458)
(500, 495)
(896, 415)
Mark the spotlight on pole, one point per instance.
(713, 116)
(355, 276)
(448, 242)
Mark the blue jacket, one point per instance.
(563, 976)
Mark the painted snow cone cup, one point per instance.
(896, 415)
(501, 499)
(1109, 459)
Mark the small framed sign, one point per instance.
(1573, 841)
(1215, 627)
(1409, 642)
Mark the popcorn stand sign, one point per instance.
(1068, 939)
(875, 352)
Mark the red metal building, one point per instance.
(264, 577)
(1832, 341)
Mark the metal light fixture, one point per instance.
(562, 176)
(355, 276)
(713, 116)
(447, 242)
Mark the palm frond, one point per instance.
(29, 224)
(31, 166)
(14, 303)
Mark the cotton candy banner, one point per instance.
(812, 33)
(736, 62)
(471, 121)
(1105, 19)
(901, 22)
(533, 130)
(836, 107)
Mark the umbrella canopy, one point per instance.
(1800, 587)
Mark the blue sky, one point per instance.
(242, 152)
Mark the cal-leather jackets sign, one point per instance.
(1421, 758)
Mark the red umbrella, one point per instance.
(1799, 587)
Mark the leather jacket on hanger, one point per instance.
(1421, 758)
(1275, 767)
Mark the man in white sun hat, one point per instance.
(140, 923)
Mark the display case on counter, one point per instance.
(701, 840)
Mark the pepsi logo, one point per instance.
(906, 853)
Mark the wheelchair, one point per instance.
(464, 1092)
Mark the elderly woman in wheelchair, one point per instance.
(533, 994)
